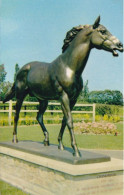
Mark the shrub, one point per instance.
(116, 119)
(105, 118)
(1, 122)
(98, 118)
(110, 119)
(56, 119)
(95, 128)
(86, 117)
(4, 121)
(28, 120)
(103, 109)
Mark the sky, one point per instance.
(34, 30)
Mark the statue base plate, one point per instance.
(53, 152)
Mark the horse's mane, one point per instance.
(70, 35)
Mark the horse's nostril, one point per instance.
(120, 45)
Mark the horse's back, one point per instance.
(39, 80)
(28, 67)
(38, 72)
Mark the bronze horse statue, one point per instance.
(61, 79)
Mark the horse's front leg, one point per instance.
(61, 147)
(68, 117)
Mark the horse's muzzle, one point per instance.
(119, 47)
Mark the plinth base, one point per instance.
(37, 175)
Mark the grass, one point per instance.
(6, 189)
(34, 133)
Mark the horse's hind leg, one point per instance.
(20, 95)
(42, 108)
(61, 147)
(17, 111)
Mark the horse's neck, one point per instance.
(76, 57)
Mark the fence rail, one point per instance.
(12, 103)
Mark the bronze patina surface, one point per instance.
(61, 79)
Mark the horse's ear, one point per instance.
(96, 23)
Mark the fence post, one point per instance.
(94, 105)
(10, 112)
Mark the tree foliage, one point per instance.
(16, 70)
(106, 97)
(4, 88)
(2, 73)
(84, 93)
(114, 97)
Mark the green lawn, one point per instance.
(6, 189)
(34, 133)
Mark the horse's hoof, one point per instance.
(77, 154)
(61, 147)
(15, 141)
(46, 143)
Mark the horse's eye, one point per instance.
(102, 32)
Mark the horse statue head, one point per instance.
(101, 38)
(97, 34)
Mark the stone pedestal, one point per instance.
(25, 166)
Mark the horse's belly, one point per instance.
(43, 90)
(40, 85)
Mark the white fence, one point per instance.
(11, 110)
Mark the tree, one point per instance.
(117, 98)
(4, 88)
(2, 73)
(16, 70)
(86, 90)
(84, 93)
(106, 97)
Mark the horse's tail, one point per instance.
(10, 94)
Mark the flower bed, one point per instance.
(95, 128)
